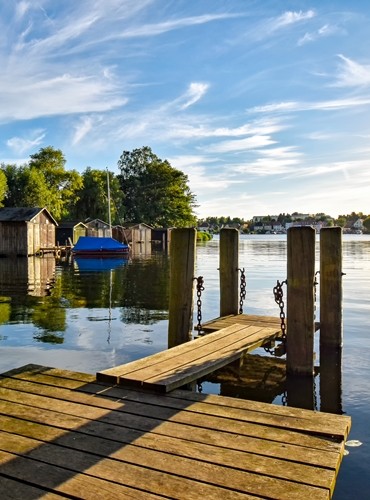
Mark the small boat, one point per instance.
(95, 246)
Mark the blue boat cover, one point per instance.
(90, 244)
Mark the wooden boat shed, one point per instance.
(98, 227)
(26, 230)
(69, 230)
(133, 233)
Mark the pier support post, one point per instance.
(331, 329)
(300, 300)
(229, 277)
(182, 265)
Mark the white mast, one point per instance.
(109, 217)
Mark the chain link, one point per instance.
(279, 295)
(243, 287)
(200, 289)
(315, 283)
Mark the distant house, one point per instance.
(98, 228)
(25, 231)
(70, 231)
(205, 227)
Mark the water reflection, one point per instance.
(26, 275)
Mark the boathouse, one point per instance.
(68, 230)
(98, 227)
(137, 235)
(26, 230)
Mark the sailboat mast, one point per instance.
(109, 216)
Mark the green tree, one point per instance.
(61, 184)
(93, 196)
(25, 187)
(366, 224)
(3, 187)
(154, 192)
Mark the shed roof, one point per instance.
(22, 214)
(71, 224)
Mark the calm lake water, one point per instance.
(87, 316)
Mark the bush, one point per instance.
(203, 236)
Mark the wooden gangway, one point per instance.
(188, 362)
(65, 435)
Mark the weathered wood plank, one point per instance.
(171, 422)
(188, 367)
(11, 489)
(247, 411)
(63, 481)
(198, 460)
(185, 363)
(63, 432)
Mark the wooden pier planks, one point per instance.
(242, 319)
(65, 434)
(180, 365)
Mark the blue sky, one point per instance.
(265, 105)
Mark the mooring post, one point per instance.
(229, 277)
(331, 330)
(300, 300)
(182, 266)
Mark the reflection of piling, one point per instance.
(300, 300)
(182, 264)
(229, 263)
(301, 392)
(331, 381)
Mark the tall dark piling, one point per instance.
(331, 329)
(182, 266)
(300, 300)
(229, 273)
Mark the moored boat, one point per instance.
(93, 246)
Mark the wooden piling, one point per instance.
(300, 300)
(229, 277)
(331, 330)
(182, 265)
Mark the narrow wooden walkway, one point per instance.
(63, 435)
(180, 365)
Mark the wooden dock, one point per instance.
(64, 435)
(188, 362)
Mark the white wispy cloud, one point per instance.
(325, 30)
(352, 74)
(21, 8)
(253, 142)
(195, 92)
(287, 19)
(291, 106)
(291, 17)
(21, 144)
(272, 161)
(156, 29)
(82, 128)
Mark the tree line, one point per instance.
(147, 189)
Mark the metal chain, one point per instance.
(315, 283)
(200, 289)
(278, 294)
(284, 398)
(243, 287)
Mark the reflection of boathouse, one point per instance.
(24, 231)
(29, 276)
